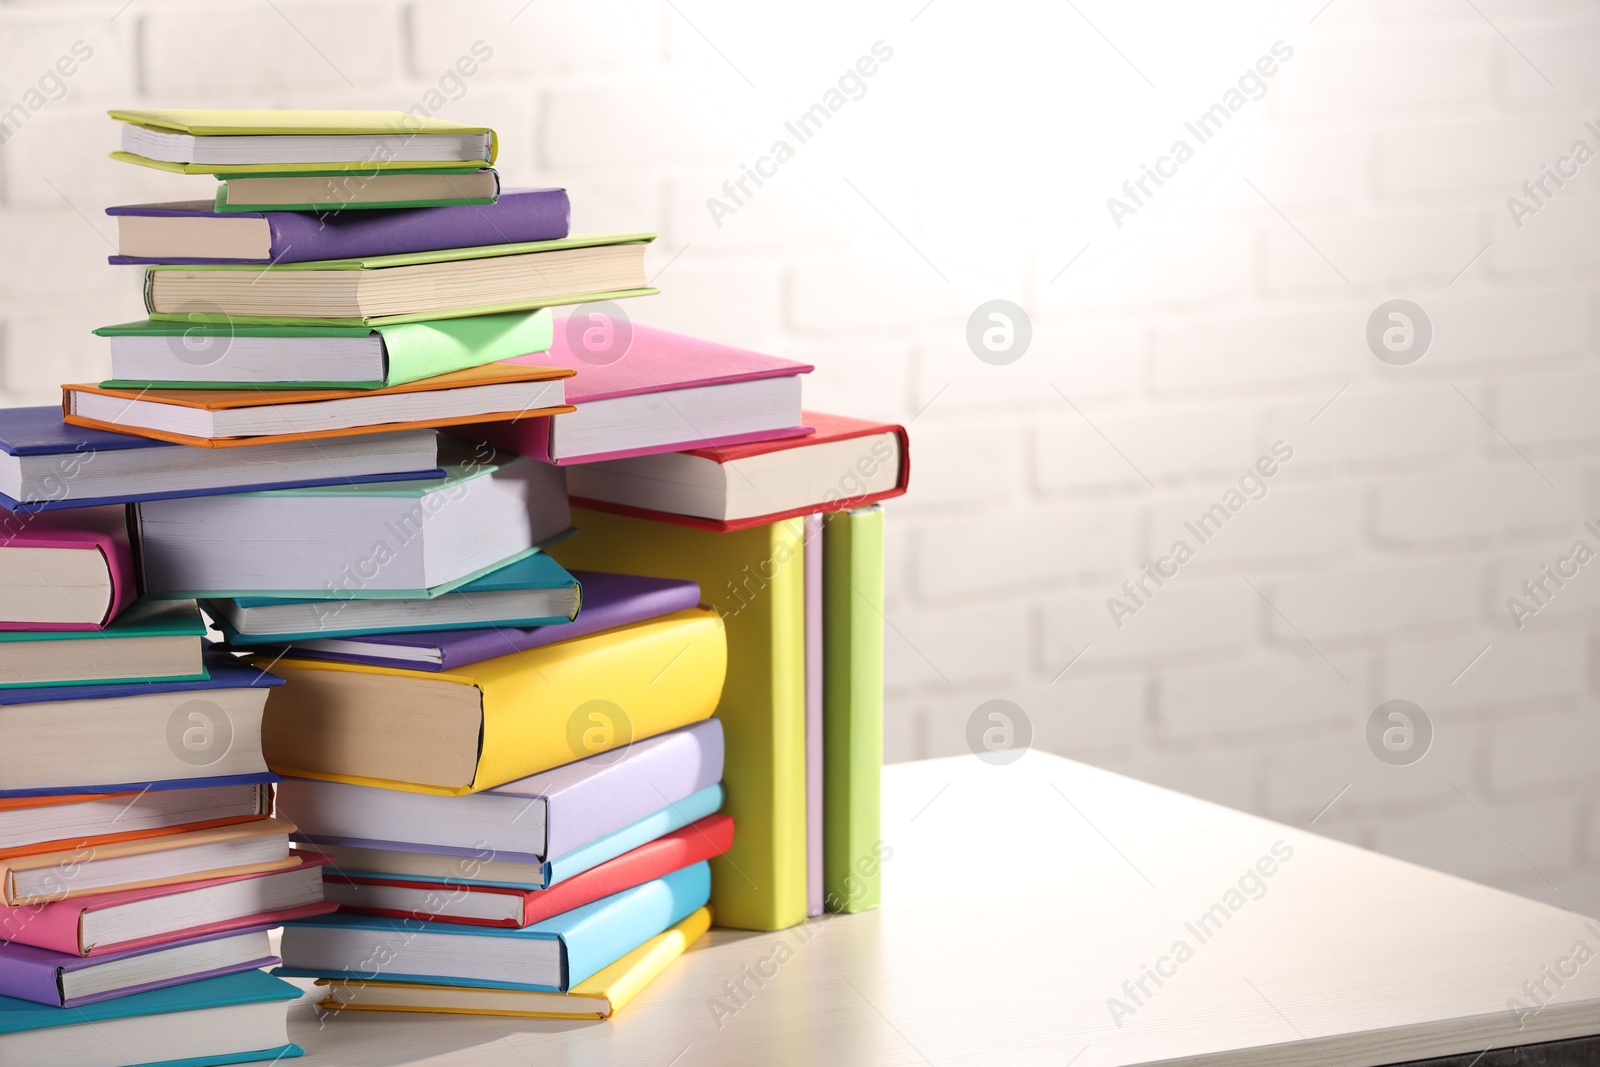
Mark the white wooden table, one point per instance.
(1020, 900)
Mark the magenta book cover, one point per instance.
(99, 529)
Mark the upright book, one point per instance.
(641, 391)
(192, 231)
(271, 141)
(174, 355)
(753, 579)
(497, 721)
(49, 465)
(847, 463)
(64, 572)
(354, 542)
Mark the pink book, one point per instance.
(642, 391)
(813, 583)
(50, 592)
(83, 926)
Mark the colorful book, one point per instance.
(263, 141)
(332, 193)
(168, 355)
(753, 579)
(153, 641)
(227, 418)
(48, 823)
(106, 738)
(609, 601)
(375, 290)
(548, 814)
(241, 848)
(235, 1018)
(102, 923)
(494, 722)
(552, 956)
(597, 997)
(814, 557)
(847, 463)
(532, 591)
(68, 981)
(642, 391)
(852, 710)
(191, 231)
(483, 903)
(390, 540)
(447, 864)
(49, 465)
(65, 572)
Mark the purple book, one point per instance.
(813, 581)
(46, 977)
(609, 601)
(302, 237)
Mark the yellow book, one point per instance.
(455, 732)
(598, 998)
(754, 579)
(289, 141)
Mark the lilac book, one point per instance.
(64, 981)
(609, 601)
(302, 237)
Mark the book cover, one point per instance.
(852, 709)
(590, 938)
(101, 530)
(598, 997)
(29, 973)
(520, 215)
(540, 709)
(609, 601)
(456, 189)
(656, 361)
(41, 431)
(813, 577)
(223, 399)
(827, 428)
(753, 580)
(144, 618)
(58, 925)
(698, 841)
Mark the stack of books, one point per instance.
(140, 868)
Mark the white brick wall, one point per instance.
(1188, 340)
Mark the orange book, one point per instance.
(226, 418)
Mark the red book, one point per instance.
(847, 464)
(477, 904)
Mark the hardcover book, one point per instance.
(65, 572)
(67, 981)
(642, 391)
(192, 231)
(333, 192)
(153, 641)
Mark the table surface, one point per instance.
(1024, 906)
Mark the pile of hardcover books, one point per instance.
(347, 434)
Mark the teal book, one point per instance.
(152, 641)
(852, 708)
(237, 1018)
(551, 956)
(210, 355)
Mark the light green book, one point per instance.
(151, 641)
(409, 287)
(852, 708)
(165, 355)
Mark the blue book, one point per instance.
(59, 466)
(532, 591)
(548, 957)
(206, 728)
(237, 1018)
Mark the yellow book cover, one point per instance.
(602, 996)
(463, 731)
(754, 580)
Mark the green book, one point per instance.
(329, 191)
(168, 355)
(852, 708)
(152, 641)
